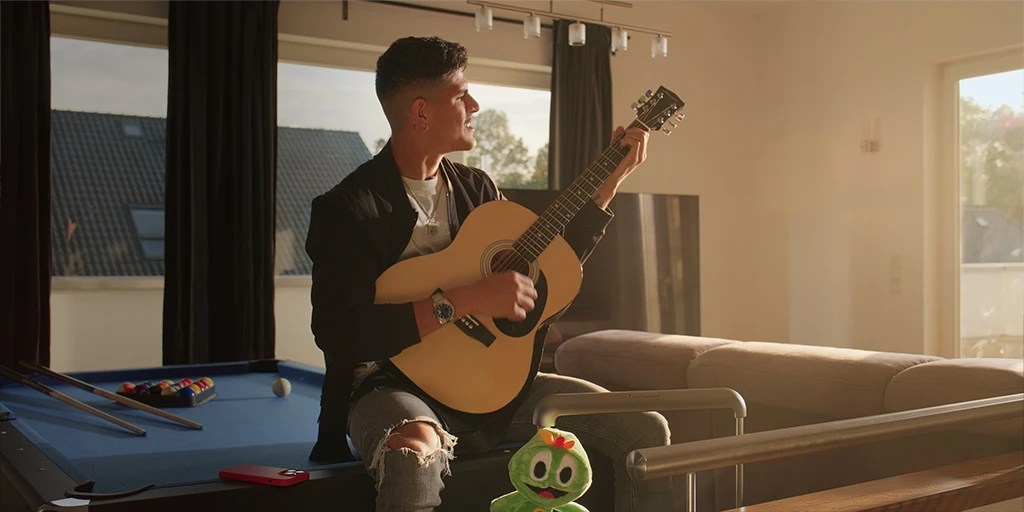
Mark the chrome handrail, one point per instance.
(663, 461)
(567, 404)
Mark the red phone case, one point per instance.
(267, 475)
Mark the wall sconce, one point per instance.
(577, 34)
(620, 39)
(531, 26)
(484, 19)
(871, 134)
(659, 47)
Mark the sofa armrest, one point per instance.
(959, 380)
(627, 360)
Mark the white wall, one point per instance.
(851, 226)
(712, 65)
(106, 324)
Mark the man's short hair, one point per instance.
(415, 61)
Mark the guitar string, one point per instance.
(542, 223)
(529, 237)
(545, 223)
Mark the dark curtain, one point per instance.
(221, 175)
(25, 183)
(581, 102)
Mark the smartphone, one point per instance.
(280, 477)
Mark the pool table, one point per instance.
(49, 448)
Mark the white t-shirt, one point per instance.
(429, 199)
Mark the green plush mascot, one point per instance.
(549, 473)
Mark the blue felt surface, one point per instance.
(244, 423)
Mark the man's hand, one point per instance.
(506, 295)
(636, 139)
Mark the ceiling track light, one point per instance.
(659, 47)
(577, 34)
(531, 26)
(662, 34)
(484, 18)
(620, 39)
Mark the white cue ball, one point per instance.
(281, 387)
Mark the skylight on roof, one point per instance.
(131, 129)
(149, 226)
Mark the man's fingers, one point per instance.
(518, 313)
(526, 302)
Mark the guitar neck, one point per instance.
(582, 190)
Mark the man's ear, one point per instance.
(418, 112)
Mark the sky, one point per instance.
(993, 91)
(121, 79)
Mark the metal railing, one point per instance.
(663, 461)
(570, 404)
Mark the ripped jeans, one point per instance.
(408, 481)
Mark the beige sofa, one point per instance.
(788, 385)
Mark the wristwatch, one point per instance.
(444, 312)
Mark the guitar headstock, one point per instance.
(654, 110)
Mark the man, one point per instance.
(410, 200)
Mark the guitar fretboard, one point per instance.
(549, 225)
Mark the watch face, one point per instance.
(443, 311)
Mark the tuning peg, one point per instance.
(666, 130)
(648, 93)
(679, 117)
(635, 106)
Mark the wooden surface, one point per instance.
(955, 487)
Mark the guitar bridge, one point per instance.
(476, 330)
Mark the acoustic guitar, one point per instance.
(477, 364)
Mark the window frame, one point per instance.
(948, 216)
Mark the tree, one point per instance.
(992, 153)
(503, 155)
(540, 168)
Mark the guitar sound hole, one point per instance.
(510, 260)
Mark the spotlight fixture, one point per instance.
(620, 39)
(577, 34)
(484, 19)
(531, 26)
(577, 30)
(659, 46)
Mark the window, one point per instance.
(330, 122)
(991, 174)
(149, 226)
(109, 102)
(512, 135)
(328, 119)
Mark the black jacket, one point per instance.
(356, 231)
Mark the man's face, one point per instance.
(450, 115)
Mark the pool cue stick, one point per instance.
(11, 374)
(123, 400)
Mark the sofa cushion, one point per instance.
(958, 380)
(836, 383)
(626, 360)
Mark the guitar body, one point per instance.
(478, 365)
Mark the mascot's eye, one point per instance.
(567, 471)
(539, 465)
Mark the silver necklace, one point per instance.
(432, 226)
